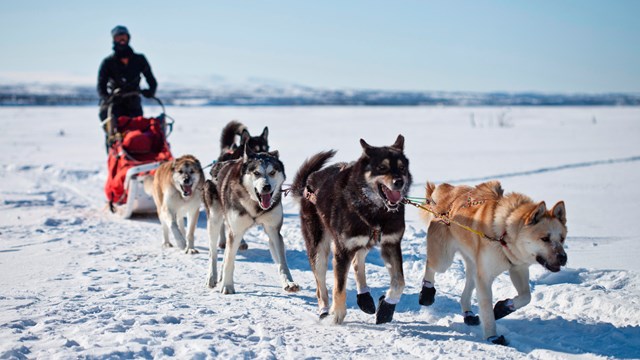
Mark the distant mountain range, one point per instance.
(261, 94)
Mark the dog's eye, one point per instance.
(562, 239)
(180, 172)
(382, 168)
(272, 173)
(546, 239)
(256, 173)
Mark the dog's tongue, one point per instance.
(186, 190)
(393, 196)
(265, 200)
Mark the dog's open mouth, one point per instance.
(551, 267)
(392, 198)
(264, 200)
(187, 190)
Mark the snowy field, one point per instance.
(78, 282)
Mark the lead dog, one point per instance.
(177, 192)
(349, 208)
(523, 233)
(244, 192)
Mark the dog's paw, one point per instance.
(228, 290)
(291, 287)
(211, 283)
(191, 251)
(167, 245)
(366, 304)
(211, 280)
(323, 315)
(498, 340)
(427, 296)
(503, 308)
(339, 313)
(471, 319)
(385, 311)
(243, 245)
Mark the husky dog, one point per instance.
(177, 192)
(244, 192)
(522, 233)
(349, 208)
(229, 150)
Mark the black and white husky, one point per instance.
(349, 208)
(229, 150)
(244, 192)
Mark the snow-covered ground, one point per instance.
(77, 281)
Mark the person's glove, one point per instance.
(147, 93)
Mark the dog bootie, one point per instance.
(503, 308)
(385, 311)
(366, 304)
(427, 296)
(498, 340)
(471, 319)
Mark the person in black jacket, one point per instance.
(121, 71)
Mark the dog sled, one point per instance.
(136, 146)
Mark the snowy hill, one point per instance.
(259, 92)
(78, 282)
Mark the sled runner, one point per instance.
(136, 147)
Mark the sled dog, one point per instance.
(522, 233)
(244, 192)
(177, 192)
(230, 150)
(348, 209)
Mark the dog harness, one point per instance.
(375, 232)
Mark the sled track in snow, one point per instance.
(545, 170)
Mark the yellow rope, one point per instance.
(447, 219)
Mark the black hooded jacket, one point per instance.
(113, 74)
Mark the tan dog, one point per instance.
(177, 192)
(523, 233)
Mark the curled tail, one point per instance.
(425, 215)
(311, 165)
(228, 137)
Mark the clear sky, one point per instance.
(474, 45)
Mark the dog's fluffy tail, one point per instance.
(425, 215)
(311, 165)
(227, 139)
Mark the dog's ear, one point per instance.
(365, 147)
(173, 164)
(244, 137)
(559, 212)
(265, 133)
(537, 214)
(247, 152)
(275, 154)
(399, 144)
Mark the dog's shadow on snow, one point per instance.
(296, 259)
(570, 336)
(525, 335)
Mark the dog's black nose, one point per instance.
(398, 183)
(266, 188)
(562, 259)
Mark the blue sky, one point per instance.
(545, 46)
